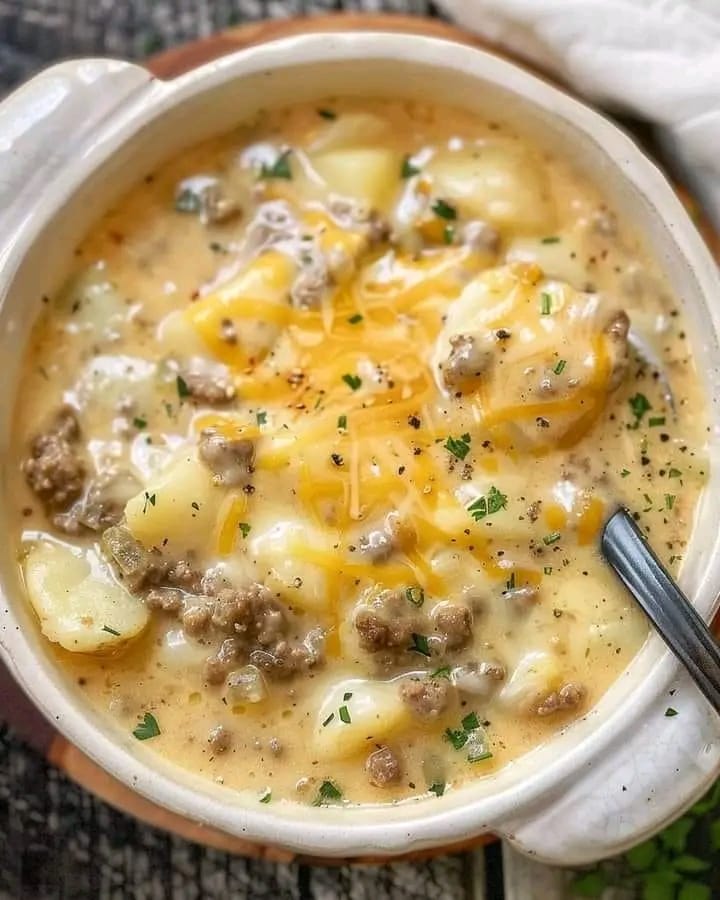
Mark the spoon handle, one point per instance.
(624, 547)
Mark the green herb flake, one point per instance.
(139, 423)
(244, 528)
(448, 234)
(444, 211)
(560, 367)
(457, 737)
(195, 505)
(548, 570)
(648, 500)
(266, 797)
(328, 720)
(669, 501)
(187, 201)
(279, 169)
(148, 728)
(545, 304)
(674, 473)
(415, 596)
(437, 788)
(344, 714)
(419, 644)
(552, 239)
(326, 113)
(639, 405)
(261, 417)
(470, 722)
(442, 672)
(656, 421)
(217, 247)
(488, 504)
(479, 757)
(182, 388)
(459, 447)
(342, 422)
(347, 696)
(670, 712)
(551, 538)
(624, 473)
(329, 792)
(110, 630)
(408, 168)
(355, 319)
(352, 381)
(150, 499)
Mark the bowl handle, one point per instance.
(50, 121)
(637, 781)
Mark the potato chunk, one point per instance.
(500, 183)
(369, 175)
(539, 358)
(79, 608)
(374, 709)
(178, 510)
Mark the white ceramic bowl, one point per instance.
(77, 136)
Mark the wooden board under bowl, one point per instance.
(18, 711)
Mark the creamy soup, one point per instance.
(318, 440)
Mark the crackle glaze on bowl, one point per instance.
(77, 136)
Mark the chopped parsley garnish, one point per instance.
(342, 422)
(639, 405)
(244, 528)
(551, 538)
(674, 473)
(187, 201)
(479, 757)
(266, 797)
(624, 473)
(326, 113)
(217, 247)
(442, 672)
(648, 500)
(437, 788)
(327, 793)
(352, 381)
(448, 234)
(488, 504)
(457, 737)
(547, 570)
(444, 211)
(669, 501)
(559, 368)
(355, 319)
(344, 714)
(470, 722)
(408, 168)
(346, 696)
(139, 422)
(420, 644)
(415, 596)
(670, 712)
(110, 630)
(328, 720)
(553, 239)
(656, 421)
(279, 169)
(182, 388)
(510, 583)
(459, 447)
(261, 417)
(545, 303)
(148, 728)
(149, 498)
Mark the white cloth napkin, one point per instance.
(656, 59)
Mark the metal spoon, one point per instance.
(624, 547)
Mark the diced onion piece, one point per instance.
(79, 609)
(536, 675)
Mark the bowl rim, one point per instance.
(331, 832)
